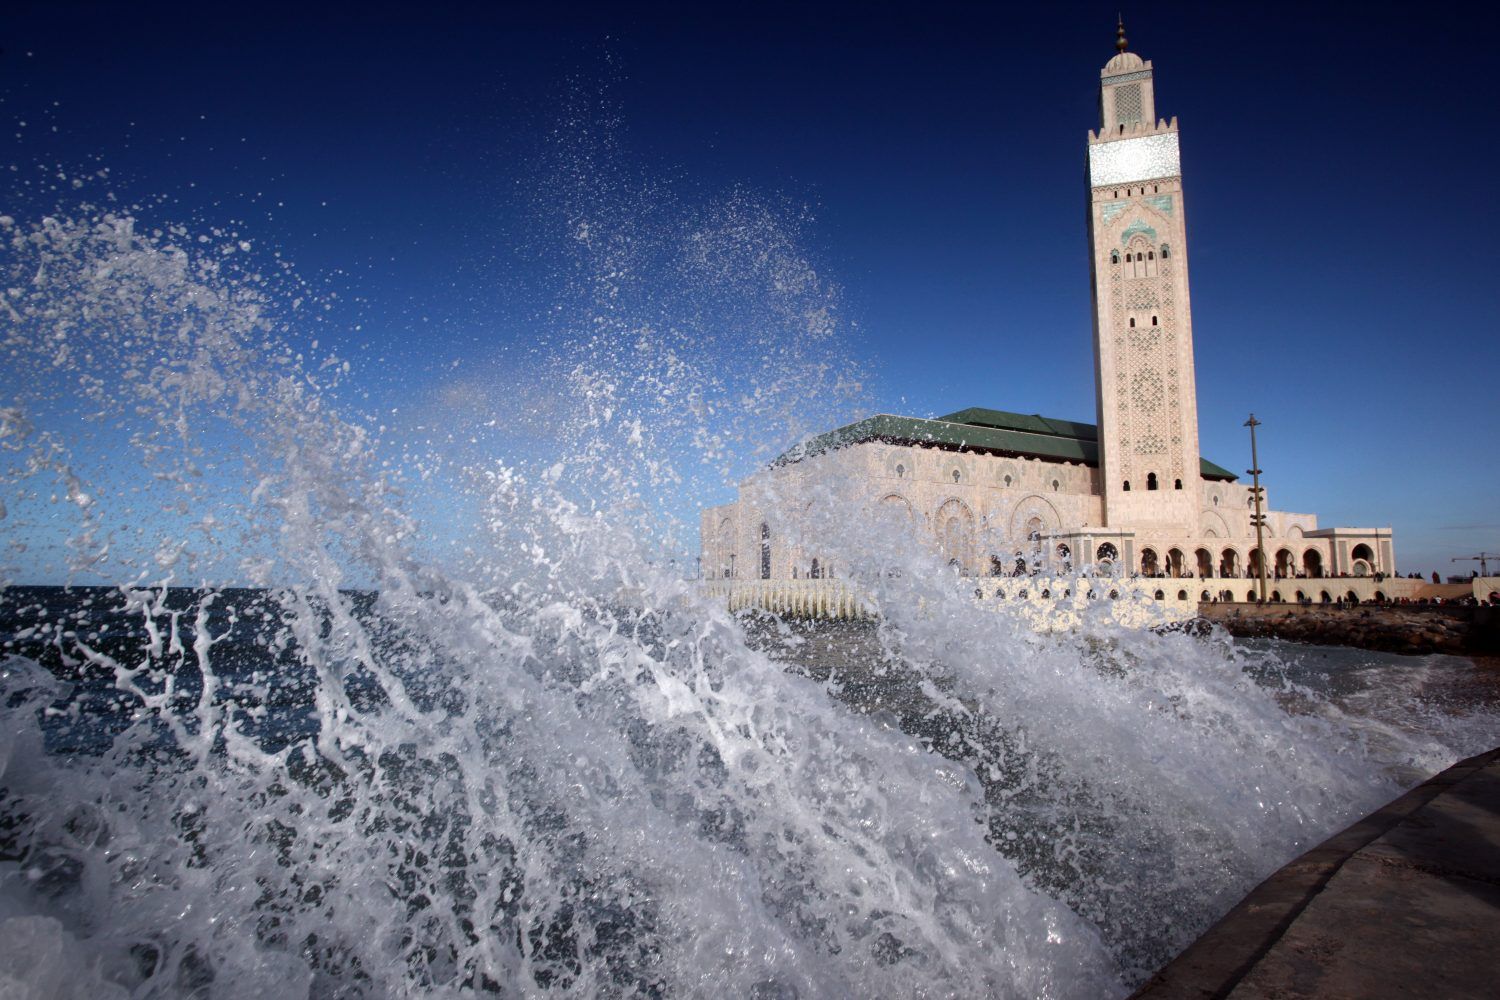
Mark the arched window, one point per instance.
(1166, 251)
(1150, 255)
(900, 471)
(1007, 479)
(1114, 256)
(1132, 322)
(1127, 258)
(817, 571)
(1153, 321)
(1056, 486)
(1127, 486)
(957, 475)
(1150, 480)
(1106, 552)
(1177, 484)
(1216, 499)
(765, 552)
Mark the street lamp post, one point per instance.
(1259, 517)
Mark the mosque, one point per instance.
(1004, 494)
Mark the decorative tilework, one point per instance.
(1125, 161)
(1137, 228)
(1160, 202)
(1111, 210)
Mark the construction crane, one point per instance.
(1483, 559)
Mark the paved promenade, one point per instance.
(1404, 903)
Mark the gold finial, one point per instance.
(1120, 43)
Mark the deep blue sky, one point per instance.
(1338, 169)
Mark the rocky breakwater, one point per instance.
(1417, 629)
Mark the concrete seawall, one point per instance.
(1404, 903)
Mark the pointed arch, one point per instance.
(894, 503)
(1033, 506)
(726, 548)
(954, 524)
(1213, 521)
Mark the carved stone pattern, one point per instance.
(1146, 391)
(1146, 386)
(1128, 104)
(1142, 296)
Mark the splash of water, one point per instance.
(557, 766)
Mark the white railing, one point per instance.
(1052, 601)
(1043, 598)
(798, 598)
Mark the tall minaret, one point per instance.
(1143, 330)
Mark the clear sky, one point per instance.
(1338, 165)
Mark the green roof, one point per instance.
(1033, 423)
(994, 432)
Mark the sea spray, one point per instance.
(556, 765)
(512, 789)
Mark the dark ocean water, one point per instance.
(82, 634)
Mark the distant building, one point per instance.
(1001, 493)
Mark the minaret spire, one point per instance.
(1120, 43)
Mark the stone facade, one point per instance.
(1003, 494)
